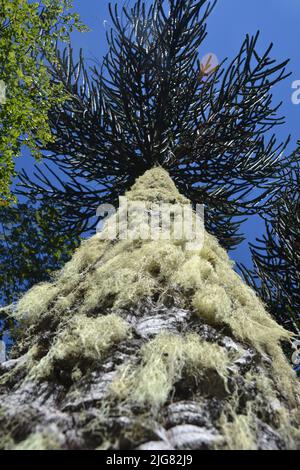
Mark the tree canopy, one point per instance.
(29, 32)
(153, 103)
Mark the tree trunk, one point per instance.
(150, 344)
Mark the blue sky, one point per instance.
(231, 20)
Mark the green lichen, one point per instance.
(39, 441)
(164, 361)
(239, 433)
(80, 315)
(83, 340)
(156, 186)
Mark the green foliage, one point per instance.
(30, 248)
(28, 35)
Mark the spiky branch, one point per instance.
(276, 257)
(152, 102)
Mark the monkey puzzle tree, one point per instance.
(153, 103)
(147, 343)
(29, 32)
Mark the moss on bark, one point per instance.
(93, 361)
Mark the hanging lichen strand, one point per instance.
(141, 343)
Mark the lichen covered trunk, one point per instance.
(144, 343)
